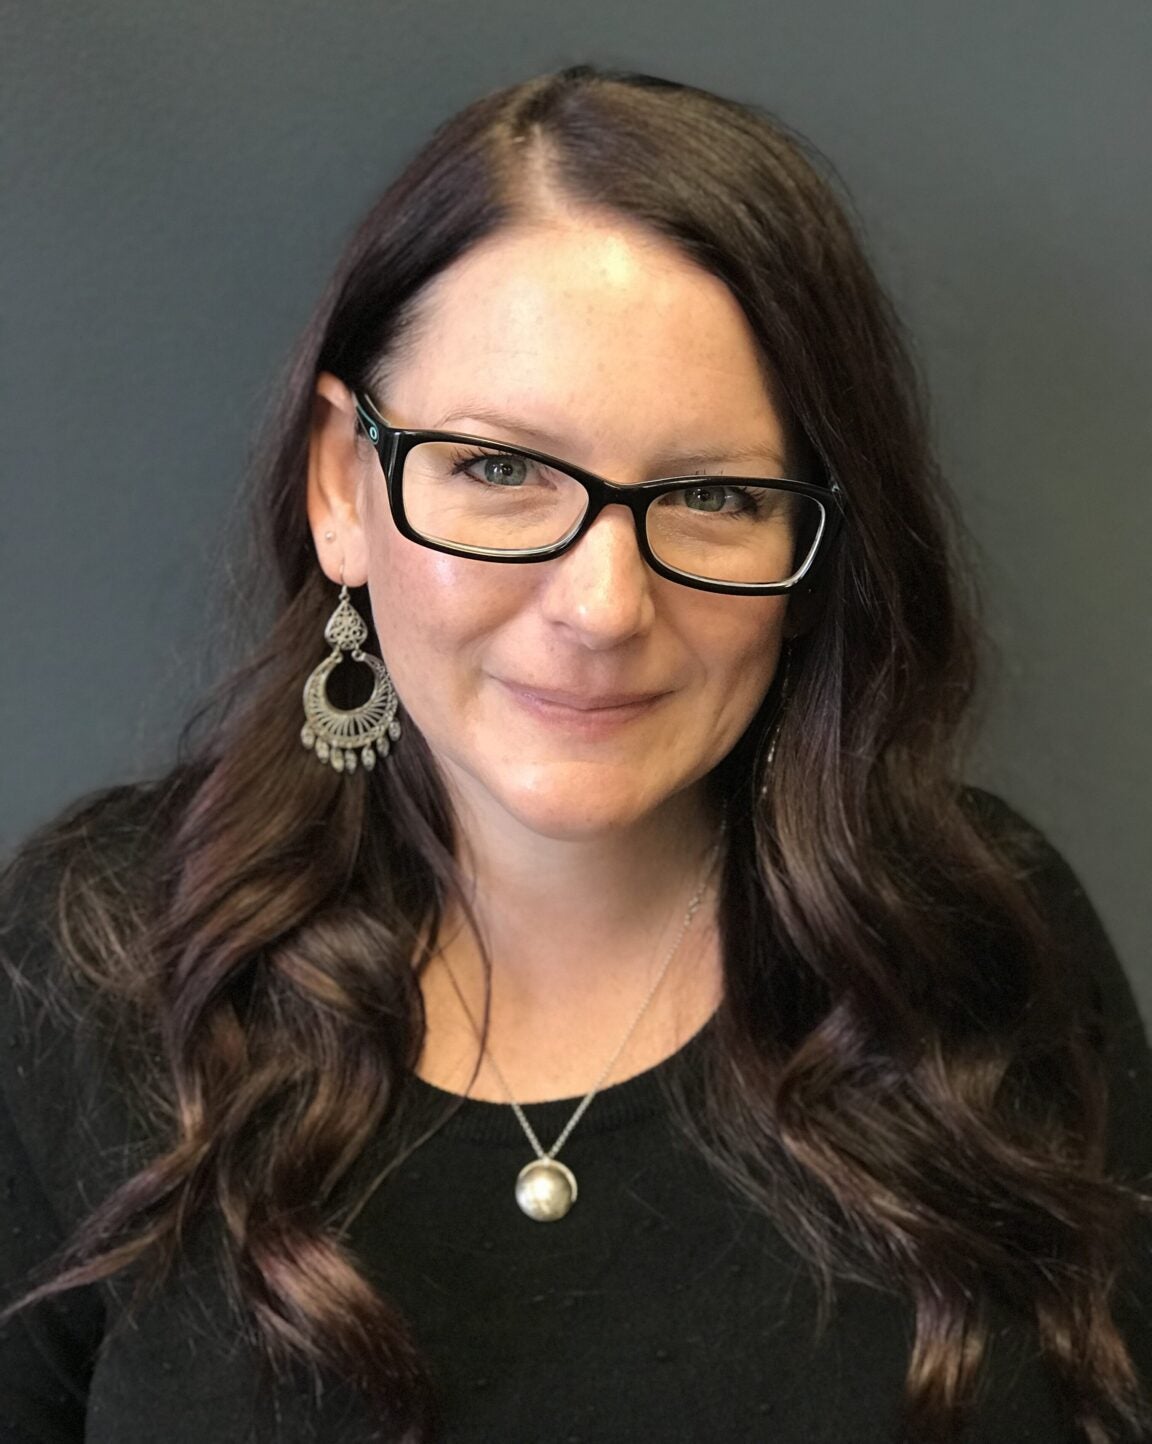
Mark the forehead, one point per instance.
(590, 331)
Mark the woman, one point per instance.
(599, 1012)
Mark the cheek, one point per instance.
(738, 647)
(431, 610)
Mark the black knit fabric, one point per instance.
(662, 1308)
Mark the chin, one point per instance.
(581, 802)
(571, 819)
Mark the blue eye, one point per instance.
(713, 497)
(499, 469)
(705, 498)
(502, 470)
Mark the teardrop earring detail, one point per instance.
(338, 736)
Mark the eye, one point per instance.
(497, 470)
(715, 497)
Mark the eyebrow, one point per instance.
(670, 463)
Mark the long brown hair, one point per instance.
(270, 951)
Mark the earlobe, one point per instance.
(335, 483)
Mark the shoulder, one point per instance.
(74, 903)
(1102, 986)
(1055, 888)
(1012, 832)
(98, 857)
(1033, 858)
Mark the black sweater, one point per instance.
(661, 1308)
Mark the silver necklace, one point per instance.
(545, 1187)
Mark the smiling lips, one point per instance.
(581, 701)
(551, 701)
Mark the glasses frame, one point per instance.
(393, 443)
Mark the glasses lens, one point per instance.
(499, 500)
(734, 531)
(488, 499)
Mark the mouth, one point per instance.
(582, 701)
(582, 707)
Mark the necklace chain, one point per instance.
(548, 1154)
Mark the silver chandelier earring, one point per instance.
(338, 736)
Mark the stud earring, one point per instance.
(337, 735)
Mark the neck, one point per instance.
(554, 913)
(577, 931)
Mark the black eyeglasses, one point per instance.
(474, 497)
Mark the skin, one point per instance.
(579, 828)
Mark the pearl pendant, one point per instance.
(545, 1189)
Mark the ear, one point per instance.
(336, 483)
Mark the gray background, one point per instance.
(179, 178)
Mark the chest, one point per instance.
(659, 1308)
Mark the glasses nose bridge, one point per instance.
(603, 493)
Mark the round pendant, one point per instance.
(545, 1190)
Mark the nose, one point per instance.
(601, 590)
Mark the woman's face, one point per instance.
(598, 342)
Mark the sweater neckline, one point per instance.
(615, 1106)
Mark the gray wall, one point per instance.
(179, 179)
